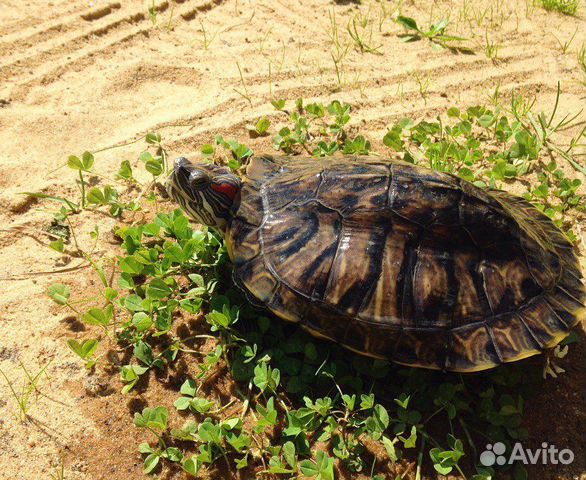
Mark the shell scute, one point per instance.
(347, 193)
(302, 235)
(508, 282)
(423, 196)
(356, 268)
(435, 287)
(421, 347)
(513, 338)
(471, 348)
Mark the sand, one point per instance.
(78, 75)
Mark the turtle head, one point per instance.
(209, 194)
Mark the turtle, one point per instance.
(389, 259)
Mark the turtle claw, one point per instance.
(550, 367)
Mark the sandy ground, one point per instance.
(78, 75)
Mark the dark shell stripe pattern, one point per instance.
(404, 263)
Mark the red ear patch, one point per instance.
(225, 188)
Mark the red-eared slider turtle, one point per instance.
(392, 260)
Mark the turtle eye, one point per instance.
(198, 179)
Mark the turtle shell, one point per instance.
(404, 263)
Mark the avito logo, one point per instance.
(547, 454)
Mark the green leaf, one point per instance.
(366, 401)
(192, 465)
(182, 403)
(308, 468)
(201, 405)
(486, 120)
(157, 289)
(238, 442)
(110, 293)
(89, 347)
(173, 454)
(144, 352)
(99, 316)
(85, 350)
(134, 303)
(403, 400)
(155, 166)
(75, 346)
(218, 319)
(390, 448)
(197, 279)
(191, 305)
(266, 377)
(151, 462)
(407, 22)
(87, 160)
(381, 417)
(207, 150)
(74, 163)
(153, 418)
(57, 245)
(466, 174)
(130, 375)
(392, 139)
(289, 454)
(131, 266)
(145, 156)
(125, 170)
(439, 26)
(439, 467)
(242, 462)
(262, 125)
(153, 138)
(278, 104)
(145, 448)
(141, 321)
(325, 465)
(209, 432)
(59, 293)
(96, 197)
(410, 441)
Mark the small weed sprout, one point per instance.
(152, 11)
(401, 92)
(423, 84)
(564, 46)
(59, 471)
(244, 92)
(207, 38)
(491, 48)
(360, 29)
(581, 59)
(338, 50)
(263, 40)
(521, 105)
(495, 96)
(30, 386)
(386, 11)
(436, 33)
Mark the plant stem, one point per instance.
(82, 186)
(420, 459)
